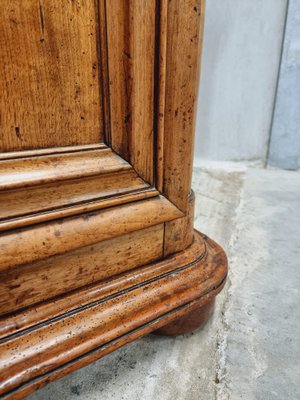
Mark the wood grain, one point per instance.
(51, 309)
(24, 245)
(180, 232)
(8, 155)
(79, 219)
(49, 82)
(29, 171)
(131, 57)
(40, 187)
(103, 56)
(161, 77)
(87, 206)
(38, 355)
(185, 23)
(16, 203)
(45, 279)
(189, 321)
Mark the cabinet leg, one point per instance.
(188, 322)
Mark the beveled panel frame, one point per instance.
(155, 136)
(148, 81)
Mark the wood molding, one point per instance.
(161, 92)
(50, 150)
(43, 169)
(51, 196)
(42, 186)
(188, 322)
(131, 27)
(179, 232)
(152, 296)
(119, 197)
(40, 241)
(46, 279)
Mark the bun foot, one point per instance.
(188, 322)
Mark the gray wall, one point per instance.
(240, 65)
(285, 137)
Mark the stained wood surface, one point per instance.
(56, 275)
(161, 77)
(131, 58)
(51, 309)
(29, 171)
(40, 187)
(36, 356)
(184, 40)
(120, 196)
(15, 203)
(79, 223)
(49, 81)
(179, 233)
(104, 76)
(50, 150)
(40, 241)
(189, 321)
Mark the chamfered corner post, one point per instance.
(181, 45)
(181, 32)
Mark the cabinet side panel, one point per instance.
(184, 39)
(49, 74)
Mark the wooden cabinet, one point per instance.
(97, 245)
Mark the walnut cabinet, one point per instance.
(97, 245)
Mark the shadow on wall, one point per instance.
(285, 138)
(240, 69)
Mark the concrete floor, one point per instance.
(250, 349)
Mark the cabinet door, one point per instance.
(50, 75)
(96, 118)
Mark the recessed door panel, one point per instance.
(49, 81)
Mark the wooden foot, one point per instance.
(170, 297)
(188, 322)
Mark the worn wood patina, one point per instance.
(97, 244)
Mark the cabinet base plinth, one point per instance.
(170, 297)
(188, 322)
